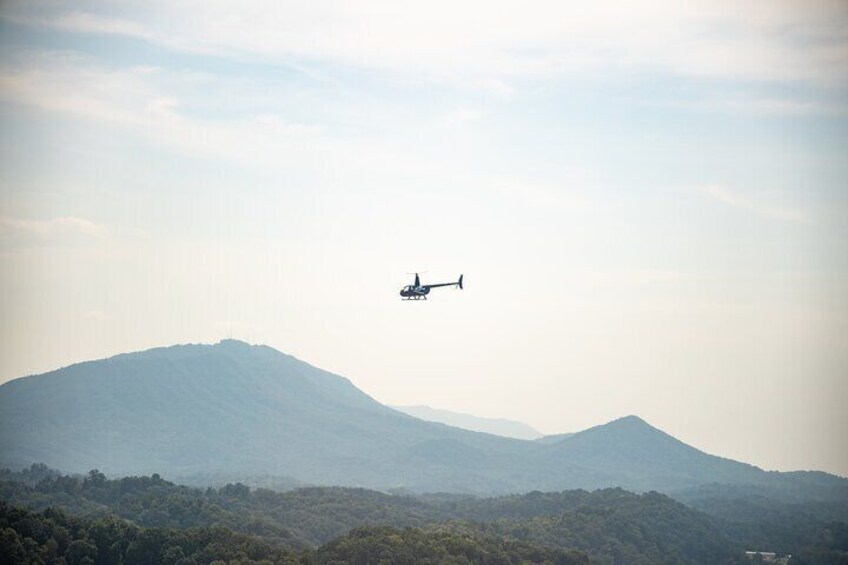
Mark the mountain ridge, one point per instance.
(496, 426)
(238, 409)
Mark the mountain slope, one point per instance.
(239, 410)
(650, 456)
(554, 438)
(495, 426)
(228, 408)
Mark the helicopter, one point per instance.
(418, 291)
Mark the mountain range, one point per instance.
(495, 426)
(243, 410)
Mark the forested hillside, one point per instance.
(52, 536)
(610, 525)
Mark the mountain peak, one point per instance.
(230, 342)
(232, 348)
(631, 426)
(630, 421)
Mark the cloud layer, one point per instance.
(761, 40)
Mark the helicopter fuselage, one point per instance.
(413, 292)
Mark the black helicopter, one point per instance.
(418, 291)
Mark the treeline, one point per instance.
(412, 546)
(621, 527)
(51, 536)
(812, 532)
(309, 517)
(611, 526)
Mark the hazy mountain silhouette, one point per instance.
(495, 426)
(554, 438)
(650, 456)
(236, 409)
(231, 408)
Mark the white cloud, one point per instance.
(494, 86)
(464, 115)
(181, 112)
(84, 22)
(144, 101)
(573, 190)
(490, 42)
(59, 228)
(758, 204)
(749, 103)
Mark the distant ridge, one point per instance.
(234, 409)
(495, 426)
(554, 438)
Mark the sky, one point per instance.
(648, 200)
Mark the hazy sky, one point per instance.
(649, 202)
